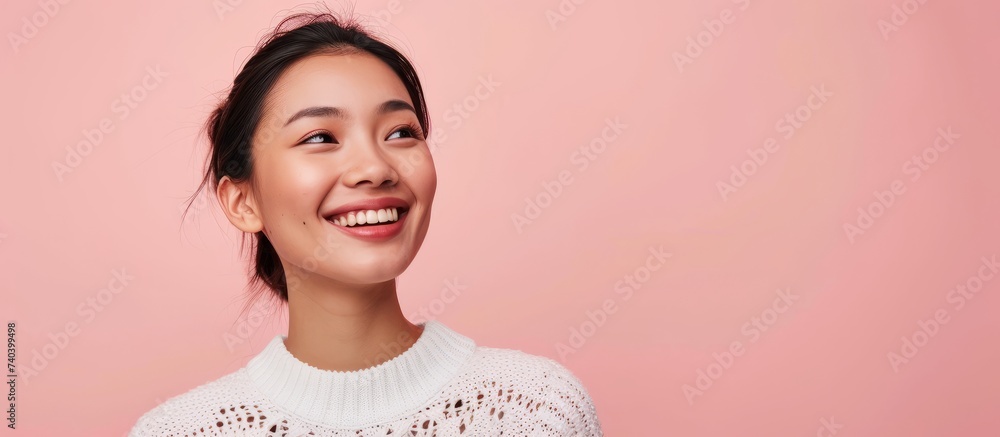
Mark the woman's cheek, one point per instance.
(405, 162)
(312, 176)
(420, 165)
(430, 173)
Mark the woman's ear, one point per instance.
(239, 205)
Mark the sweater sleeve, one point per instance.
(575, 412)
(167, 418)
(144, 426)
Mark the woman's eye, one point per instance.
(321, 137)
(406, 131)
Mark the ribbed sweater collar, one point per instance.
(367, 396)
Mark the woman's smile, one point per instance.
(383, 228)
(377, 219)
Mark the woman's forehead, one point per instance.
(355, 82)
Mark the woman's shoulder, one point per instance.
(517, 362)
(518, 377)
(514, 364)
(202, 406)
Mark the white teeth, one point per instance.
(368, 216)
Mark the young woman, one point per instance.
(319, 151)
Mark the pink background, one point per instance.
(824, 359)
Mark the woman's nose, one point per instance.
(370, 164)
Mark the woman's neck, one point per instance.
(348, 329)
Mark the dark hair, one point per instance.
(232, 126)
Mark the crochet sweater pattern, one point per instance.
(443, 385)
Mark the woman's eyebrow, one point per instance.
(331, 111)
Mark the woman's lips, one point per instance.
(369, 216)
(379, 232)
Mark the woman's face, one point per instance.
(368, 146)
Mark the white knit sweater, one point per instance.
(443, 385)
